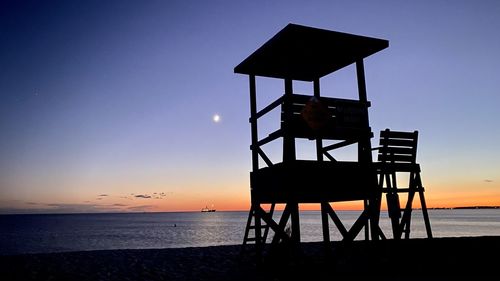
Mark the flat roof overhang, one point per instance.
(305, 53)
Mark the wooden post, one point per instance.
(253, 123)
(423, 206)
(295, 223)
(288, 140)
(255, 162)
(319, 157)
(324, 221)
(365, 157)
(364, 146)
(360, 71)
(319, 141)
(289, 155)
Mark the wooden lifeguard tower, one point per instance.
(307, 54)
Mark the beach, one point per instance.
(438, 257)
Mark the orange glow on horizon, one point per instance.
(435, 198)
(237, 198)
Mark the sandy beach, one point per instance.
(396, 260)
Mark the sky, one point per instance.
(108, 106)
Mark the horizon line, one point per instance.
(472, 207)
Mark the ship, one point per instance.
(206, 209)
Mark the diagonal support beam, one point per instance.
(266, 231)
(335, 219)
(357, 226)
(264, 157)
(282, 224)
(280, 232)
(329, 156)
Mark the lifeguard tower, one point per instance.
(307, 54)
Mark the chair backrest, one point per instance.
(398, 147)
(327, 118)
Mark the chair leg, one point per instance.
(394, 213)
(423, 206)
(406, 220)
(393, 206)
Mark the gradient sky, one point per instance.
(108, 105)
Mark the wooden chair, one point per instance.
(397, 153)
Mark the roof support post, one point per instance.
(360, 71)
(288, 140)
(365, 156)
(253, 123)
(319, 141)
(364, 146)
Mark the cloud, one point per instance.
(156, 195)
(76, 208)
(102, 195)
(64, 208)
(488, 180)
(32, 203)
(161, 195)
(141, 208)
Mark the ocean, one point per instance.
(20, 234)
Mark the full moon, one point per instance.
(216, 118)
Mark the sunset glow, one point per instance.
(112, 110)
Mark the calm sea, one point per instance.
(77, 232)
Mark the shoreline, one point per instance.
(448, 256)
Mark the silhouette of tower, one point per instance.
(307, 54)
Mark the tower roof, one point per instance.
(305, 53)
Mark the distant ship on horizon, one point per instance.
(206, 209)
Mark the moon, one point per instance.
(216, 118)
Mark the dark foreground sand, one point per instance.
(416, 259)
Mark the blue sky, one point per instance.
(117, 97)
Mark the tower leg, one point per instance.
(374, 205)
(324, 221)
(258, 235)
(295, 223)
(366, 206)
